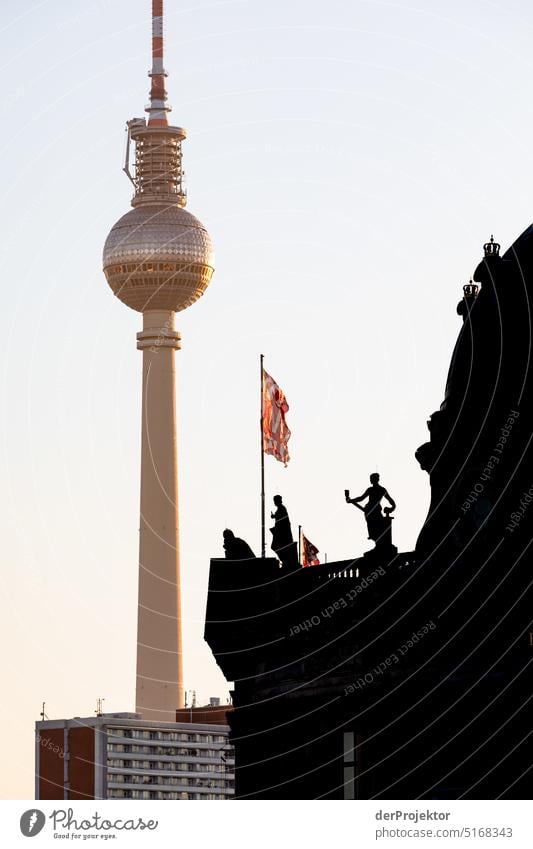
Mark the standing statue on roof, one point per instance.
(378, 522)
(282, 540)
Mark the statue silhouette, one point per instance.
(379, 525)
(282, 541)
(236, 548)
(281, 532)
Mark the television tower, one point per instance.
(158, 259)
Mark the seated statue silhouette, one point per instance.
(236, 548)
(283, 544)
(378, 522)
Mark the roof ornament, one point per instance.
(471, 289)
(470, 293)
(492, 248)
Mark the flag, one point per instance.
(309, 553)
(276, 434)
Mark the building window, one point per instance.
(349, 776)
(140, 794)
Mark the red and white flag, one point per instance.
(276, 434)
(309, 553)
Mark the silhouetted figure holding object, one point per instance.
(379, 525)
(236, 548)
(282, 542)
(281, 532)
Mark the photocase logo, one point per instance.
(32, 822)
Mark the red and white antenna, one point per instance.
(158, 167)
(158, 108)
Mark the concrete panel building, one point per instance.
(121, 756)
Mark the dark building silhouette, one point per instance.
(407, 675)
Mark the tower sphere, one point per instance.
(158, 257)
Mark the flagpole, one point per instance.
(263, 541)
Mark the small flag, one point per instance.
(276, 434)
(309, 553)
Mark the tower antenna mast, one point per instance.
(158, 107)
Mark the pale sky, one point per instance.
(349, 160)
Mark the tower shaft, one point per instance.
(159, 689)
